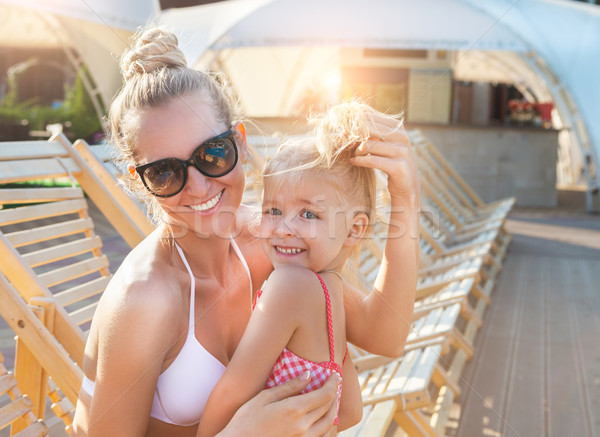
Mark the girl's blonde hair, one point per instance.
(155, 72)
(327, 151)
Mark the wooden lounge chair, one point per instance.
(53, 259)
(39, 355)
(455, 184)
(15, 410)
(414, 389)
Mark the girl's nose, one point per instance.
(284, 227)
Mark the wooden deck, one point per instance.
(536, 368)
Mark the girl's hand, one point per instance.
(282, 412)
(389, 150)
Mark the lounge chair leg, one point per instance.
(31, 376)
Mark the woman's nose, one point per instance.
(197, 184)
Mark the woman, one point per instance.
(175, 310)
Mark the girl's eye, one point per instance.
(272, 211)
(308, 215)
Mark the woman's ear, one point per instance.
(131, 169)
(240, 135)
(358, 228)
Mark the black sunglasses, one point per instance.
(213, 158)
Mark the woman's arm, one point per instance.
(351, 403)
(132, 344)
(380, 321)
(276, 317)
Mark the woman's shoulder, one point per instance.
(146, 284)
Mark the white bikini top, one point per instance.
(183, 388)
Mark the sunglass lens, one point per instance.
(165, 177)
(216, 157)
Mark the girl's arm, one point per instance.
(351, 402)
(277, 315)
(380, 321)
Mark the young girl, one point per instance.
(316, 207)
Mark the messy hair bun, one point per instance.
(152, 50)
(155, 73)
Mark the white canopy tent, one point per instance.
(549, 46)
(556, 41)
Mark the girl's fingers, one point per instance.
(391, 131)
(389, 166)
(382, 148)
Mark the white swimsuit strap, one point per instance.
(191, 321)
(244, 263)
(238, 252)
(88, 385)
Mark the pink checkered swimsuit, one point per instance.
(289, 365)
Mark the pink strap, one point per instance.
(329, 322)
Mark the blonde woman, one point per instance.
(172, 317)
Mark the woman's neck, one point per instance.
(207, 255)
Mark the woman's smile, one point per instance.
(210, 205)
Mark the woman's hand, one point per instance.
(282, 412)
(389, 150)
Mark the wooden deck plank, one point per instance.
(483, 390)
(566, 406)
(527, 377)
(539, 335)
(589, 322)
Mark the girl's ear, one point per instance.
(358, 228)
(240, 134)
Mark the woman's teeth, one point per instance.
(289, 251)
(208, 204)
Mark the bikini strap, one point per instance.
(191, 324)
(244, 263)
(329, 322)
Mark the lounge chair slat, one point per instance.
(34, 212)
(370, 380)
(375, 422)
(33, 195)
(18, 150)
(416, 386)
(62, 251)
(14, 410)
(83, 291)
(17, 171)
(37, 429)
(405, 371)
(50, 232)
(84, 314)
(7, 382)
(395, 378)
(75, 270)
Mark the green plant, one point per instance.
(76, 114)
(79, 110)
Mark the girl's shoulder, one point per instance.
(295, 282)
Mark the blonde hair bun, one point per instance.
(153, 49)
